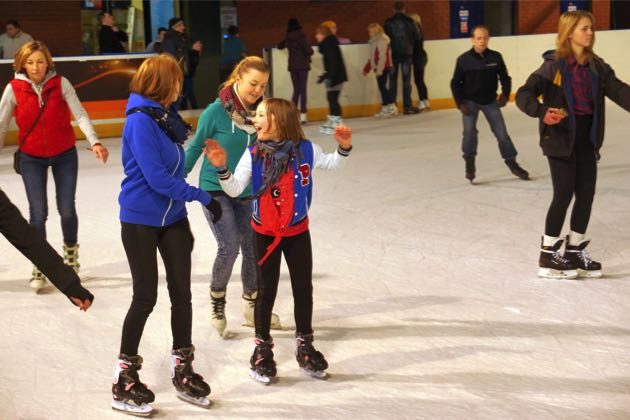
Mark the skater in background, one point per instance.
(380, 62)
(474, 87)
(43, 103)
(333, 78)
(153, 218)
(420, 60)
(228, 120)
(573, 83)
(300, 52)
(232, 52)
(278, 167)
(26, 239)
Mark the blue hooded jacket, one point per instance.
(153, 191)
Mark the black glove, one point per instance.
(79, 292)
(321, 79)
(502, 101)
(465, 109)
(214, 207)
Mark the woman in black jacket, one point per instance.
(300, 53)
(573, 83)
(334, 76)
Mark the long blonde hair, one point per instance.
(566, 26)
(251, 62)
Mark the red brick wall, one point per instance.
(263, 24)
(541, 16)
(601, 10)
(57, 24)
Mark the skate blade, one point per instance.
(263, 379)
(317, 374)
(143, 410)
(593, 274)
(199, 401)
(550, 273)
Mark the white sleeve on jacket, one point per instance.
(7, 105)
(330, 161)
(70, 96)
(235, 184)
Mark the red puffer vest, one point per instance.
(53, 133)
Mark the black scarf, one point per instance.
(169, 121)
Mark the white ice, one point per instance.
(427, 303)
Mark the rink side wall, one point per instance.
(360, 96)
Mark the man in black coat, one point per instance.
(110, 39)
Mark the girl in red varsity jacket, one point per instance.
(279, 167)
(43, 103)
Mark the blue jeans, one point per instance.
(493, 114)
(35, 176)
(405, 66)
(233, 232)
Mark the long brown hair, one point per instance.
(287, 119)
(26, 50)
(566, 26)
(251, 62)
(155, 79)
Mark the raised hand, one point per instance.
(215, 153)
(343, 135)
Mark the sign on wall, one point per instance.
(465, 15)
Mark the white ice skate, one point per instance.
(249, 302)
(263, 379)
(199, 401)
(217, 315)
(129, 407)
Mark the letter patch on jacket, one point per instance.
(305, 171)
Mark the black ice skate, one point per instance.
(129, 394)
(553, 265)
(470, 168)
(310, 360)
(262, 366)
(516, 169)
(190, 386)
(579, 256)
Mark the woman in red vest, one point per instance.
(43, 102)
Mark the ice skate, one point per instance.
(71, 256)
(579, 257)
(470, 168)
(37, 280)
(249, 302)
(129, 394)
(311, 361)
(261, 364)
(328, 127)
(516, 169)
(553, 265)
(383, 113)
(303, 118)
(217, 316)
(190, 386)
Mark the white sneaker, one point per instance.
(303, 119)
(392, 110)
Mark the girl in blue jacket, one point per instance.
(279, 167)
(153, 217)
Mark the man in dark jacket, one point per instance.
(178, 44)
(26, 239)
(474, 87)
(403, 34)
(110, 39)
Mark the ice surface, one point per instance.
(427, 303)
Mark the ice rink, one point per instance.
(427, 304)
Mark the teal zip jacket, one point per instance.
(215, 123)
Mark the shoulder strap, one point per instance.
(30, 130)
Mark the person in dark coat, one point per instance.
(300, 53)
(334, 76)
(111, 40)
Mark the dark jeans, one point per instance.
(299, 79)
(175, 243)
(187, 100)
(418, 77)
(65, 168)
(492, 112)
(26, 239)
(233, 233)
(383, 87)
(405, 65)
(299, 258)
(333, 102)
(577, 176)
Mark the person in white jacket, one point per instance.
(380, 62)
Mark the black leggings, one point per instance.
(418, 77)
(577, 176)
(175, 243)
(333, 102)
(299, 257)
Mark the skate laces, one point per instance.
(218, 307)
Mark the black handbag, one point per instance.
(17, 167)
